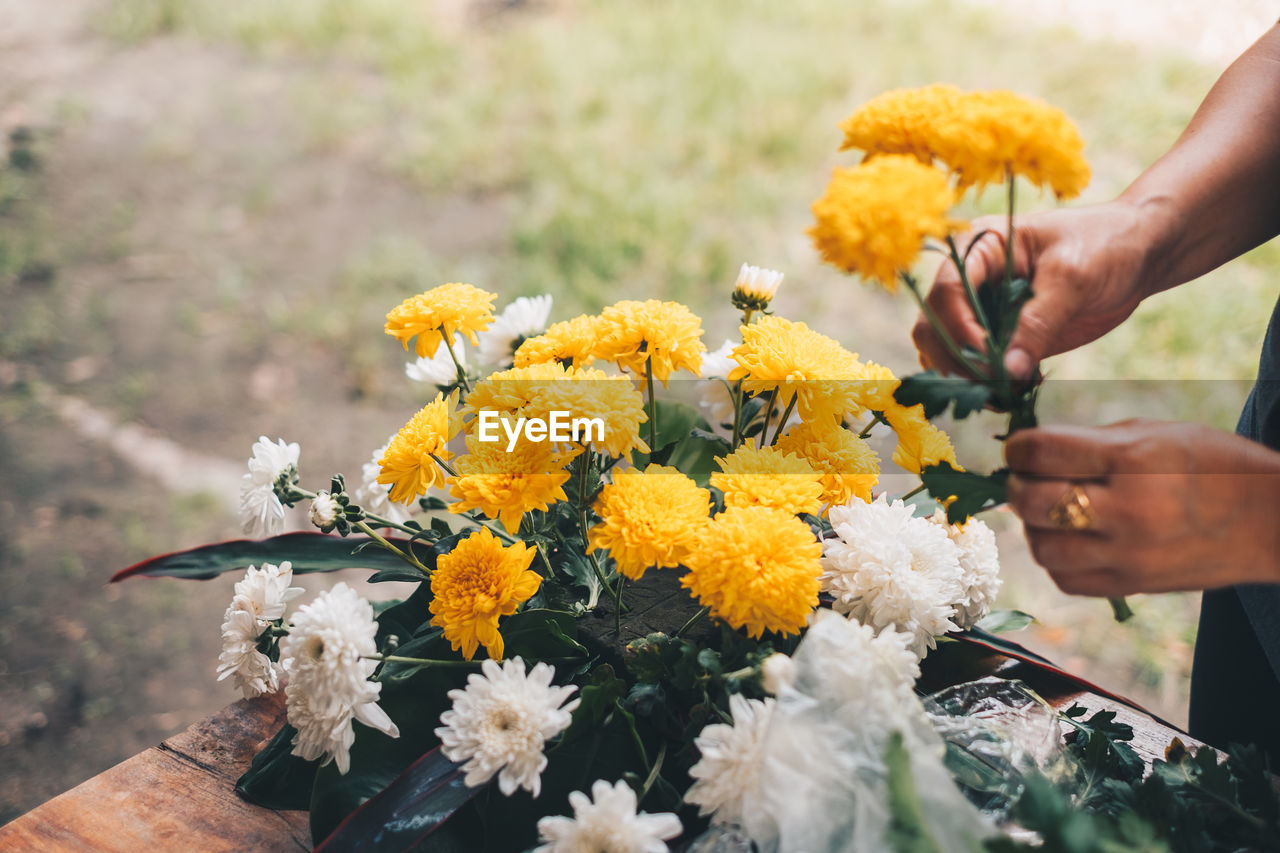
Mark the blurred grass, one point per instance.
(649, 149)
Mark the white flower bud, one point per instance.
(777, 673)
(325, 511)
(758, 282)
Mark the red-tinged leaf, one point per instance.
(978, 637)
(408, 810)
(308, 552)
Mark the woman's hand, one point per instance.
(1172, 506)
(1089, 268)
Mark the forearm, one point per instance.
(1216, 193)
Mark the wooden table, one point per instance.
(180, 795)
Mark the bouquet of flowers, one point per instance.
(639, 618)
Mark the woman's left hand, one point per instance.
(1158, 506)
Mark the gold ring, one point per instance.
(1073, 511)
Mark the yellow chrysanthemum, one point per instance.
(666, 334)
(767, 476)
(539, 390)
(901, 121)
(978, 136)
(798, 362)
(475, 584)
(511, 390)
(920, 443)
(847, 463)
(439, 314)
(505, 484)
(991, 133)
(757, 568)
(407, 464)
(567, 341)
(874, 218)
(875, 386)
(649, 519)
(613, 401)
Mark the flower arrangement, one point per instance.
(638, 619)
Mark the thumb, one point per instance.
(1040, 326)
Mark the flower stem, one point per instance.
(768, 415)
(462, 374)
(737, 416)
(876, 418)
(444, 466)
(952, 347)
(791, 407)
(653, 405)
(407, 556)
(911, 494)
(424, 662)
(693, 620)
(583, 472)
(617, 603)
(995, 357)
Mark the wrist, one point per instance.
(1156, 229)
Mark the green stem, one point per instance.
(911, 494)
(693, 620)
(444, 466)
(462, 374)
(408, 556)
(617, 603)
(583, 465)
(768, 415)
(1008, 241)
(941, 330)
(425, 662)
(1120, 608)
(876, 418)
(737, 416)
(791, 407)
(652, 403)
(995, 357)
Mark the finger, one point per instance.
(1060, 452)
(1064, 553)
(1035, 501)
(950, 305)
(1040, 325)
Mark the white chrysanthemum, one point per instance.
(438, 369)
(375, 497)
(267, 590)
(713, 393)
(254, 672)
(891, 569)
(758, 282)
(261, 512)
(857, 673)
(727, 777)
(259, 599)
(523, 318)
(326, 655)
(501, 722)
(979, 567)
(606, 822)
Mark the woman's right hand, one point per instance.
(1089, 268)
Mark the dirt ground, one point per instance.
(176, 173)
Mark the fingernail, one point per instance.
(1018, 362)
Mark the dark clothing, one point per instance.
(1235, 680)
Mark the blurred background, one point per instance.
(206, 208)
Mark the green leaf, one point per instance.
(542, 635)
(277, 779)
(308, 552)
(908, 830)
(972, 492)
(1004, 621)
(936, 392)
(404, 574)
